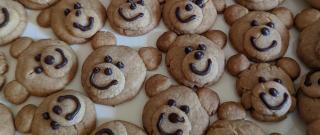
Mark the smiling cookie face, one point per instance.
(195, 61)
(61, 112)
(260, 4)
(38, 4)
(49, 61)
(189, 16)
(13, 21)
(175, 111)
(113, 74)
(134, 17)
(261, 36)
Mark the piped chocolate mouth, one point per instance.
(87, 27)
(186, 20)
(161, 130)
(203, 72)
(104, 131)
(64, 61)
(6, 19)
(273, 107)
(254, 44)
(129, 19)
(105, 87)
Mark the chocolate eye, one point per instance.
(108, 59)
(202, 47)
(108, 71)
(96, 70)
(188, 50)
(67, 11)
(120, 65)
(78, 13)
(77, 5)
(277, 80)
(185, 109)
(141, 2)
(200, 3)
(37, 57)
(262, 80)
(254, 23)
(270, 24)
(188, 7)
(171, 102)
(273, 92)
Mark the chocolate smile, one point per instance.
(88, 27)
(186, 20)
(275, 107)
(162, 132)
(254, 44)
(64, 61)
(92, 81)
(204, 72)
(6, 19)
(129, 19)
(104, 131)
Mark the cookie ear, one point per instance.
(165, 40)
(209, 100)
(220, 5)
(43, 18)
(289, 66)
(217, 36)
(306, 18)
(24, 118)
(285, 15)
(237, 63)
(103, 38)
(19, 45)
(151, 57)
(157, 84)
(234, 12)
(15, 92)
(231, 111)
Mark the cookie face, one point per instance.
(266, 91)
(189, 16)
(226, 127)
(308, 47)
(118, 128)
(6, 121)
(175, 111)
(65, 112)
(13, 21)
(38, 4)
(75, 21)
(260, 4)
(113, 74)
(46, 66)
(134, 17)
(308, 97)
(195, 61)
(261, 36)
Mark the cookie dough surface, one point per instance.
(118, 127)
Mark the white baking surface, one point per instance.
(132, 110)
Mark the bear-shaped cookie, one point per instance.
(118, 127)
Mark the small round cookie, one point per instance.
(195, 60)
(261, 36)
(64, 113)
(6, 121)
(235, 127)
(134, 17)
(314, 3)
(75, 21)
(38, 4)
(112, 75)
(118, 127)
(260, 4)
(178, 111)
(24, 118)
(13, 20)
(189, 16)
(43, 67)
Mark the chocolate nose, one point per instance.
(265, 31)
(199, 55)
(188, 7)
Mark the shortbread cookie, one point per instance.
(261, 36)
(64, 113)
(179, 111)
(118, 127)
(267, 91)
(134, 17)
(194, 60)
(112, 75)
(309, 46)
(43, 67)
(74, 21)
(260, 4)
(190, 16)
(6, 121)
(38, 4)
(13, 20)
(3, 69)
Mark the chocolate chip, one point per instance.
(198, 55)
(262, 80)
(77, 5)
(49, 60)
(202, 47)
(67, 12)
(254, 23)
(171, 102)
(38, 57)
(278, 80)
(54, 125)
(38, 70)
(57, 110)
(273, 92)
(108, 59)
(46, 116)
(265, 31)
(120, 65)
(174, 118)
(188, 7)
(78, 12)
(108, 71)
(270, 24)
(185, 109)
(188, 50)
